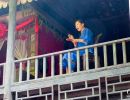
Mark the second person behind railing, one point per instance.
(86, 38)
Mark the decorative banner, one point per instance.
(4, 4)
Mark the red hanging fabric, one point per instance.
(18, 27)
(3, 30)
(36, 31)
(36, 25)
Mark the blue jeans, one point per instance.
(73, 61)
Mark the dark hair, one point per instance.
(81, 21)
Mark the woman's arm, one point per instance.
(73, 40)
(78, 40)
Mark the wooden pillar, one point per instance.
(10, 47)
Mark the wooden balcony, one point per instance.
(109, 81)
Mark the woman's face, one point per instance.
(79, 26)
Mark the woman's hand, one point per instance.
(72, 39)
(70, 36)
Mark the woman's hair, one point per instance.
(81, 21)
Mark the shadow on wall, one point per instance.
(48, 43)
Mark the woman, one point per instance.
(86, 38)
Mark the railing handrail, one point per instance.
(2, 64)
(70, 50)
(74, 49)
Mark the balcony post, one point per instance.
(10, 47)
